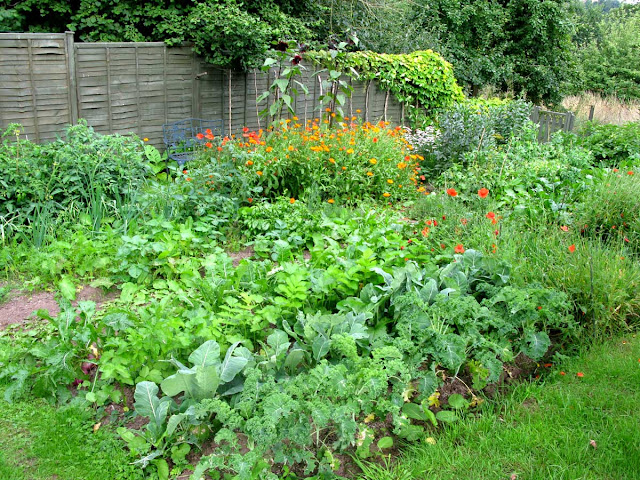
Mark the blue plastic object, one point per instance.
(181, 137)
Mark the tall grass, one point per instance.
(607, 109)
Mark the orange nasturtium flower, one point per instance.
(292, 201)
(459, 248)
(452, 192)
(483, 192)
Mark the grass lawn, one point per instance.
(544, 430)
(38, 442)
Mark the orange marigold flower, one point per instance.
(331, 201)
(386, 194)
(292, 201)
(331, 160)
(344, 168)
(402, 165)
(249, 163)
(370, 174)
(259, 172)
(291, 148)
(483, 192)
(459, 248)
(452, 192)
(572, 248)
(268, 149)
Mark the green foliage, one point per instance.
(471, 127)
(84, 176)
(607, 58)
(611, 145)
(422, 80)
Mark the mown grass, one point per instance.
(544, 430)
(39, 442)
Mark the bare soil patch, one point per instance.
(22, 306)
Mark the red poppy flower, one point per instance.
(199, 136)
(483, 192)
(452, 192)
(562, 373)
(615, 170)
(443, 246)
(459, 248)
(491, 215)
(464, 221)
(208, 145)
(580, 374)
(572, 248)
(629, 172)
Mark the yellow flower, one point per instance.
(389, 181)
(268, 149)
(259, 172)
(291, 148)
(344, 168)
(370, 174)
(373, 161)
(331, 201)
(350, 151)
(331, 160)
(358, 111)
(402, 165)
(145, 139)
(386, 194)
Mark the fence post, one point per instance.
(591, 111)
(71, 70)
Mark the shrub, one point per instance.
(612, 145)
(611, 210)
(83, 172)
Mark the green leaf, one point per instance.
(385, 442)
(447, 416)
(414, 411)
(536, 345)
(320, 347)
(231, 365)
(67, 288)
(281, 83)
(206, 354)
(457, 401)
(163, 469)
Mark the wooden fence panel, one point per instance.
(34, 84)
(47, 82)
